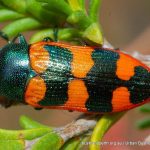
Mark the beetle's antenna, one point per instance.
(4, 36)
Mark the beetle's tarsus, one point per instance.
(55, 36)
(70, 110)
(117, 49)
(36, 108)
(46, 39)
(81, 42)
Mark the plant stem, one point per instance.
(102, 127)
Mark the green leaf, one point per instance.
(144, 124)
(63, 34)
(23, 134)
(12, 145)
(46, 16)
(80, 19)
(94, 34)
(94, 8)
(145, 108)
(17, 5)
(43, 1)
(61, 6)
(50, 141)
(71, 144)
(82, 5)
(6, 14)
(75, 5)
(75, 143)
(28, 123)
(21, 25)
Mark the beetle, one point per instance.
(55, 75)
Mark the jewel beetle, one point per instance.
(89, 79)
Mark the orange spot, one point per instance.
(77, 94)
(125, 66)
(35, 91)
(121, 99)
(39, 58)
(82, 61)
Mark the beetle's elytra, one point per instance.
(55, 75)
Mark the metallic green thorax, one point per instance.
(14, 70)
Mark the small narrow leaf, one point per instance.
(94, 34)
(50, 141)
(75, 5)
(6, 14)
(21, 25)
(63, 34)
(28, 123)
(80, 19)
(12, 145)
(94, 8)
(144, 124)
(17, 5)
(46, 16)
(60, 6)
(145, 108)
(22, 134)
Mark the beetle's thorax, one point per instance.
(14, 70)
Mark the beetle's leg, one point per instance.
(14, 39)
(117, 49)
(38, 108)
(55, 34)
(4, 36)
(81, 42)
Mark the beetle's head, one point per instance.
(14, 71)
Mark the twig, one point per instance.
(77, 127)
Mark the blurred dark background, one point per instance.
(126, 24)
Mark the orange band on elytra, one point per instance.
(121, 99)
(35, 91)
(77, 94)
(82, 61)
(125, 67)
(39, 58)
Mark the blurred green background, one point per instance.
(126, 25)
